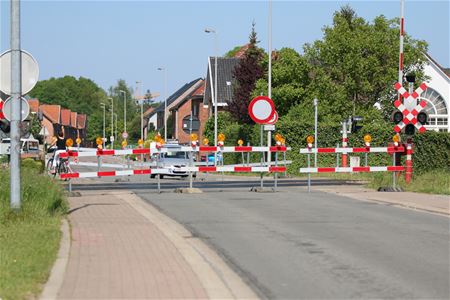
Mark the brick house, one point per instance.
(156, 117)
(190, 115)
(54, 117)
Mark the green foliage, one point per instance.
(246, 73)
(352, 67)
(29, 239)
(233, 51)
(431, 152)
(81, 95)
(29, 164)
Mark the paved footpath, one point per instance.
(123, 248)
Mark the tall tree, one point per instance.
(247, 72)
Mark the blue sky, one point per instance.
(110, 40)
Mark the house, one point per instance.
(437, 96)
(51, 121)
(54, 117)
(156, 117)
(225, 82)
(190, 114)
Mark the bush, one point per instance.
(431, 150)
(28, 164)
(41, 196)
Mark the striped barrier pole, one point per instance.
(270, 169)
(344, 143)
(409, 163)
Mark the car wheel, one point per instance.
(152, 175)
(161, 176)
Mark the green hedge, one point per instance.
(431, 151)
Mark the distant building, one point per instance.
(437, 96)
(156, 117)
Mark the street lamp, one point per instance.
(209, 30)
(141, 101)
(115, 134)
(103, 105)
(112, 121)
(124, 110)
(165, 100)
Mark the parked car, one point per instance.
(29, 148)
(172, 161)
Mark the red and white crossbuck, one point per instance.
(409, 116)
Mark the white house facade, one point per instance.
(437, 96)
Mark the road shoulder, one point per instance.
(438, 204)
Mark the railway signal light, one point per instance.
(279, 139)
(354, 121)
(78, 141)
(205, 141)
(240, 142)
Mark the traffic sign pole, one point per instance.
(16, 89)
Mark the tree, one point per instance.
(247, 72)
(81, 95)
(353, 66)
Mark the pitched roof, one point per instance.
(181, 92)
(34, 105)
(81, 121)
(197, 93)
(73, 119)
(242, 51)
(225, 79)
(51, 112)
(446, 71)
(65, 117)
(149, 111)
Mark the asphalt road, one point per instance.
(294, 245)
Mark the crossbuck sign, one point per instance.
(410, 110)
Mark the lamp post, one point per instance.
(103, 105)
(165, 100)
(210, 30)
(141, 102)
(124, 110)
(112, 121)
(115, 133)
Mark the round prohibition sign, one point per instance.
(261, 109)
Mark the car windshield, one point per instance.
(177, 154)
(6, 141)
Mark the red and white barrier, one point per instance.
(163, 149)
(272, 169)
(352, 169)
(353, 150)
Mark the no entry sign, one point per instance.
(261, 109)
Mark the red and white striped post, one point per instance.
(402, 32)
(409, 162)
(344, 143)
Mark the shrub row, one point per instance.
(431, 150)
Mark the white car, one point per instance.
(172, 161)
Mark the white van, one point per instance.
(29, 148)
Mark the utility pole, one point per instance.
(16, 91)
(112, 121)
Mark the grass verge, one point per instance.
(29, 239)
(433, 182)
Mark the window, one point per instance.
(195, 105)
(435, 102)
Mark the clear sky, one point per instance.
(110, 40)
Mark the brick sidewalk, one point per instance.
(116, 253)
